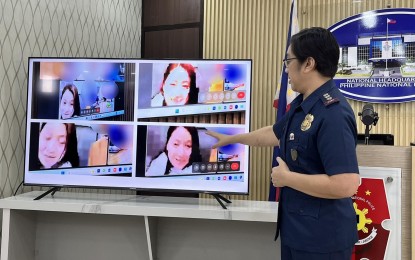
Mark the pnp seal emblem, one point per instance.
(306, 124)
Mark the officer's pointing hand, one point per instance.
(279, 173)
(222, 139)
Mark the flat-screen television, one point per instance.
(129, 123)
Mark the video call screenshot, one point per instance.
(84, 131)
(78, 90)
(192, 88)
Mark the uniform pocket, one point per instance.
(305, 206)
(297, 149)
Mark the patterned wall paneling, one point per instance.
(53, 28)
(257, 30)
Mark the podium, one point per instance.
(402, 157)
(113, 226)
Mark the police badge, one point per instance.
(306, 124)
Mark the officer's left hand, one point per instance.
(279, 173)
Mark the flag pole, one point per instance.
(387, 43)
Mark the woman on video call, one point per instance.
(69, 105)
(58, 147)
(181, 150)
(178, 86)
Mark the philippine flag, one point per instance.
(391, 21)
(284, 94)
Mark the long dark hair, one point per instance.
(193, 91)
(195, 156)
(76, 105)
(71, 150)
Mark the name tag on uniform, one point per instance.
(294, 154)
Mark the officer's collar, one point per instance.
(307, 104)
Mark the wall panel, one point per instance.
(172, 29)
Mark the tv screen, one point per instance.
(91, 123)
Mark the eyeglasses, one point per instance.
(287, 61)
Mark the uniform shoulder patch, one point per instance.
(328, 99)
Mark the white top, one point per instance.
(158, 167)
(118, 204)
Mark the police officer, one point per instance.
(318, 169)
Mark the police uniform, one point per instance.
(318, 136)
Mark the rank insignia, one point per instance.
(306, 124)
(328, 100)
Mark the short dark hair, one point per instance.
(321, 45)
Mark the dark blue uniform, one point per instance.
(318, 136)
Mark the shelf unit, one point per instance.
(114, 226)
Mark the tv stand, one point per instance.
(121, 226)
(51, 190)
(219, 198)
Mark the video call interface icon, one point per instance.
(215, 167)
(222, 96)
(224, 178)
(90, 111)
(100, 171)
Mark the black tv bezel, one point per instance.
(186, 191)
